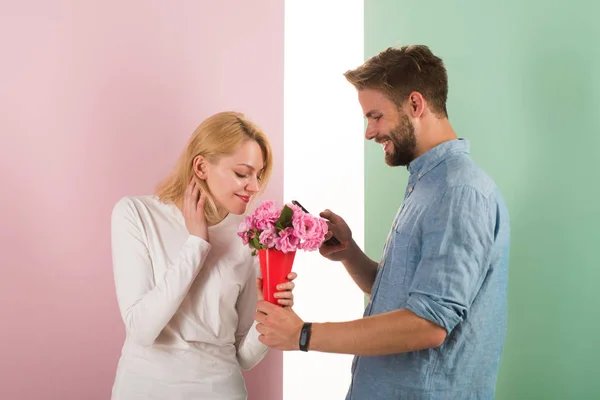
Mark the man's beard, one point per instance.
(405, 143)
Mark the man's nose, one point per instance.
(370, 133)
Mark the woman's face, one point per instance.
(234, 179)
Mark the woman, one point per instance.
(186, 285)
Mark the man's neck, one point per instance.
(435, 132)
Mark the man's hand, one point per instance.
(360, 267)
(338, 228)
(279, 327)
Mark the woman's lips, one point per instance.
(245, 199)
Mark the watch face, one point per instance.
(303, 336)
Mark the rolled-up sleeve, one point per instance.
(457, 239)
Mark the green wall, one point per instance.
(525, 89)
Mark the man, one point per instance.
(435, 324)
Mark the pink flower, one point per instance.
(259, 231)
(245, 237)
(245, 229)
(316, 228)
(266, 215)
(311, 245)
(287, 241)
(299, 222)
(310, 229)
(268, 237)
(295, 209)
(246, 225)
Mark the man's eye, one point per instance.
(377, 118)
(240, 175)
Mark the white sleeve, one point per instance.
(250, 351)
(147, 306)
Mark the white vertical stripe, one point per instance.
(323, 168)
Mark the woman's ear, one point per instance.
(200, 167)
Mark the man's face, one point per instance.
(389, 126)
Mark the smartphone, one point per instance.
(332, 240)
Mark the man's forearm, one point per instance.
(394, 332)
(361, 268)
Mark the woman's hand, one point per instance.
(193, 210)
(284, 297)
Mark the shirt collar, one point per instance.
(428, 160)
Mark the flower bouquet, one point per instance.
(275, 233)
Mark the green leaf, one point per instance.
(285, 219)
(255, 243)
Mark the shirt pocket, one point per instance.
(397, 260)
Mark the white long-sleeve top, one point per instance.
(188, 305)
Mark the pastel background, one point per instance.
(524, 90)
(98, 98)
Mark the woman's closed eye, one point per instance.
(241, 175)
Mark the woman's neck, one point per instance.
(221, 213)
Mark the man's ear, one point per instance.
(416, 104)
(200, 167)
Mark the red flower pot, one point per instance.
(275, 266)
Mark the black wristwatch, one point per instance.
(305, 336)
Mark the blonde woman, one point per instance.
(186, 285)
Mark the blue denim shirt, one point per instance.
(446, 260)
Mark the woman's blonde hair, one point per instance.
(217, 136)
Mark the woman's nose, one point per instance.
(253, 185)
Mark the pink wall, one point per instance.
(96, 102)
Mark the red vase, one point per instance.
(275, 266)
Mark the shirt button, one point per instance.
(420, 175)
(410, 190)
